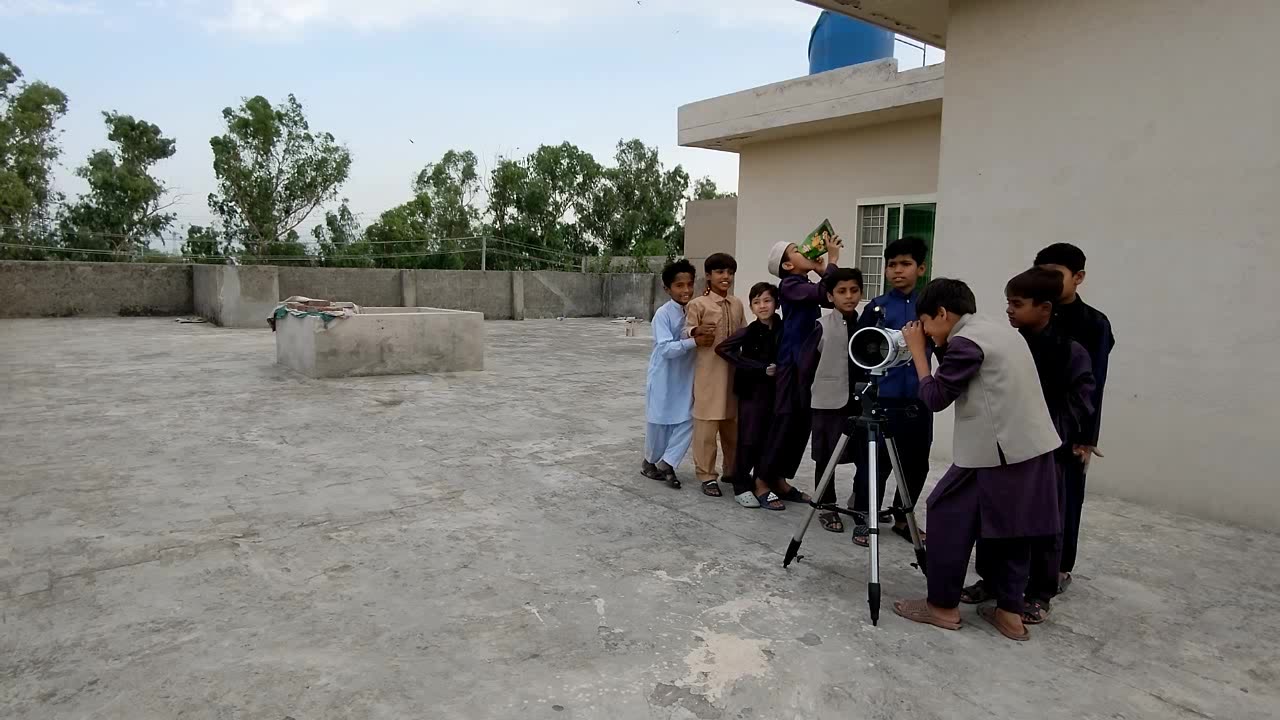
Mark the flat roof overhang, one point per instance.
(842, 99)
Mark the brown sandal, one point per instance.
(831, 522)
(918, 611)
(711, 488)
(988, 613)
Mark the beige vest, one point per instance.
(831, 379)
(1003, 408)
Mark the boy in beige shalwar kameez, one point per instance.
(710, 320)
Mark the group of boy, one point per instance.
(1028, 404)
(712, 377)
(1027, 412)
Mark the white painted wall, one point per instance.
(786, 187)
(1148, 133)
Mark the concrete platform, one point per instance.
(189, 530)
(382, 341)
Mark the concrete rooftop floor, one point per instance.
(187, 530)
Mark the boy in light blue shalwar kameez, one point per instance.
(669, 391)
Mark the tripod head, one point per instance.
(874, 415)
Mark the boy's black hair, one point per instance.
(1037, 285)
(1065, 254)
(913, 246)
(954, 295)
(761, 288)
(673, 269)
(839, 275)
(720, 261)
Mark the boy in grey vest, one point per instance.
(1002, 486)
(831, 375)
(1066, 378)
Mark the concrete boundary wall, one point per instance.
(63, 289)
(563, 294)
(244, 295)
(485, 292)
(362, 286)
(236, 296)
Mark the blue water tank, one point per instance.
(839, 41)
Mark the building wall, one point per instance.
(1146, 133)
(786, 187)
(710, 226)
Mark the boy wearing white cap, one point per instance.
(801, 302)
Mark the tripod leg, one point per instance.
(873, 529)
(910, 508)
(827, 478)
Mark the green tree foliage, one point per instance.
(29, 113)
(204, 245)
(534, 202)
(451, 186)
(439, 226)
(286, 250)
(125, 204)
(705, 189)
(638, 201)
(340, 240)
(404, 237)
(272, 172)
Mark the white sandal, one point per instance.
(747, 500)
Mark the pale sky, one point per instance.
(493, 76)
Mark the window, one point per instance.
(883, 220)
(871, 238)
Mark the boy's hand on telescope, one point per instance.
(913, 334)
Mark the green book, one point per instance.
(815, 243)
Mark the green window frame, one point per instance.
(883, 220)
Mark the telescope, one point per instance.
(878, 349)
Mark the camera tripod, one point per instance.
(878, 423)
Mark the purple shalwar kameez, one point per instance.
(1007, 505)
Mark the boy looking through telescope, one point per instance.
(1002, 486)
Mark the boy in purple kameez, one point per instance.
(1066, 378)
(1087, 325)
(1003, 484)
(802, 302)
(832, 377)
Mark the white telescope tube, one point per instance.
(878, 349)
